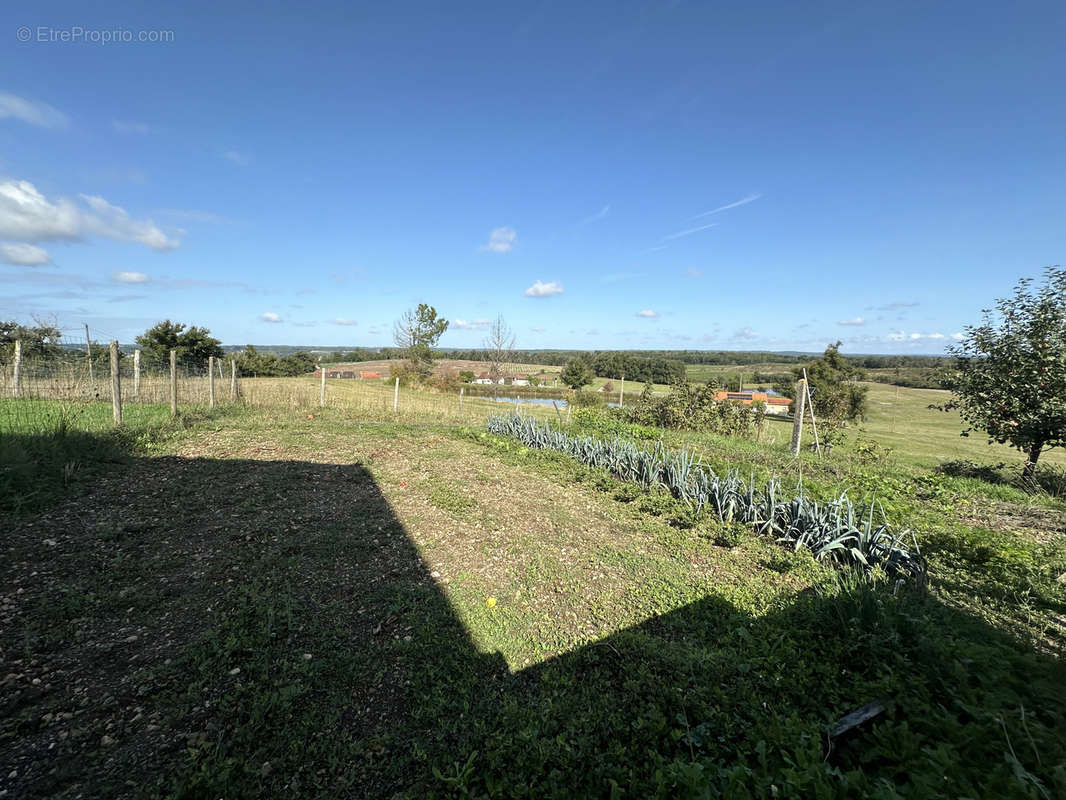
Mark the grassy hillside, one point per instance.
(292, 600)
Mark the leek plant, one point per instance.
(836, 531)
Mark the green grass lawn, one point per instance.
(305, 602)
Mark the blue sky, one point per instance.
(617, 175)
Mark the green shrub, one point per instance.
(693, 407)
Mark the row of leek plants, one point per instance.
(836, 531)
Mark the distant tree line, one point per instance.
(268, 365)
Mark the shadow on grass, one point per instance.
(235, 628)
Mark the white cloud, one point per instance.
(472, 325)
(538, 330)
(130, 277)
(647, 313)
(694, 273)
(35, 113)
(958, 337)
(900, 336)
(344, 321)
(745, 335)
(26, 215)
(751, 198)
(270, 316)
(24, 255)
(501, 240)
(130, 127)
(852, 321)
(539, 289)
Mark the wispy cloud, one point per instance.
(344, 321)
(898, 305)
(24, 255)
(270, 316)
(901, 336)
(539, 289)
(603, 212)
(28, 216)
(647, 313)
(852, 321)
(126, 298)
(694, 273)
(30, 111)
(126, 128)
(688, 232)
(751, 198)
(958, 337)
(472, 325)
(130, 277)
(501, 240)
(538, 330)
(745, 335)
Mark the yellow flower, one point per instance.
(491, 602)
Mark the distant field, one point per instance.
(446, 365)
(901, 419)
(703, 372)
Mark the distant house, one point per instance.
(503, 380)
(370, 376)
(774, 403)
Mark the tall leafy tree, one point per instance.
(192, 343)
(415, 333)
(576, 373)
(1010, 377)
(40, 340)
(836, 394)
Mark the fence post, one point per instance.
(797, 418)
(210, 381)
(116, 385)
(461, 389)
(89, 353)
(396, 396)
(16, 389)
(137, 374)
(233, 380)
(174, 383)
(322, 398)
(621, 391)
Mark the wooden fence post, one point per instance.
(233, 380)
(137, 374)
(116, 385)
(797, 418)
(621, 391)
(88, 353)
(396, 396)
(16, 377)
(210, 381)
(461, 389)
(173, 383)
(322, 398)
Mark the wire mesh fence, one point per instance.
(39, 391)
